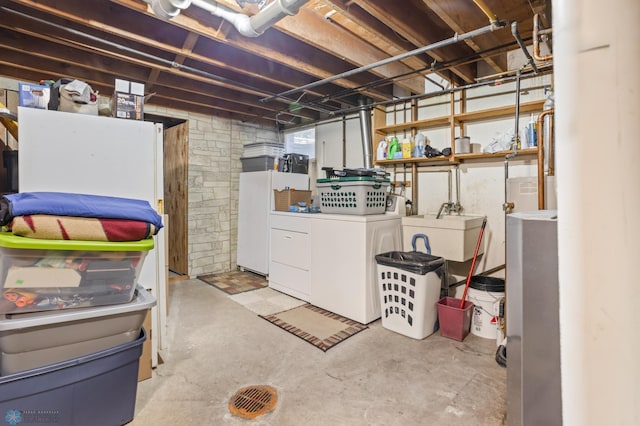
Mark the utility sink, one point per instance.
(453, 237)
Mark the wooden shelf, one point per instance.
(456, 159)
(420, 124)
(435, 161)
(499, 112)
(500, 154)
(486, 114)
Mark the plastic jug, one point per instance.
(393, 148)
(382, 150)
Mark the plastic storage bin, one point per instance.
(455, 322)
(272, 149)
(359, 195)
(410, 285)
(36, 339)
(98, 389)
(258, 164)
(40, 275)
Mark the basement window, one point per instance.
(301, 142)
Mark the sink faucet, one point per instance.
(449, 207)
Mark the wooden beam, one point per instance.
(459, 18)
(273, 45)
(317, 31)
(420, 29)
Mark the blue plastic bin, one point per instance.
(97, 389)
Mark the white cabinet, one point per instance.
(255, 203)
(328, 260)
(290, 256)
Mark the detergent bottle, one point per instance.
(393, 148)
(382, 150)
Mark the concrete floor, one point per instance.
(377, 377)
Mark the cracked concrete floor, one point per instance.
(377, 377)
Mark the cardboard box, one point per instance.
(36, 277)
(128, 106)
(144, 370)
(33, 95)
(128, 100)
(284, 198)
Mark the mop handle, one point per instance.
(473, 263)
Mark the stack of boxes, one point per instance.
(76, 96)
(71, 333)
(128, 100)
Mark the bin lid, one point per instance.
(9, 240)
(485, 283)
(142, 300)
(353, 179)
(411, 261)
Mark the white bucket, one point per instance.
(485, 319)
(499, 324)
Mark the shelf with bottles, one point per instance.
(456, 158)
(433, 161)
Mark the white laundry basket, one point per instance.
(410, 284)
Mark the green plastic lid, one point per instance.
(353, 179)
(8, 240)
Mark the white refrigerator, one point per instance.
(256, 201)
(77, 153)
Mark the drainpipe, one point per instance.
(247, 26)
(516, 35)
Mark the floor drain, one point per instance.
(253, 401)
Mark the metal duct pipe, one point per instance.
(247, 26)
(365, 129)
(274, 12)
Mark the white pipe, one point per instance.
(274, 12)
(247, 26)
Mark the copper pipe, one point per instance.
(536, 34)
(540, 127)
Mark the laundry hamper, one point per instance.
(410, 285)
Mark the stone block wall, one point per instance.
(215, 147)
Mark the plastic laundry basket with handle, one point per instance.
(410, 284)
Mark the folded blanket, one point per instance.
(77, 205)
(49, 227)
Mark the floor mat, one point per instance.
(235, 282)
(266, 301)
(323, 329)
